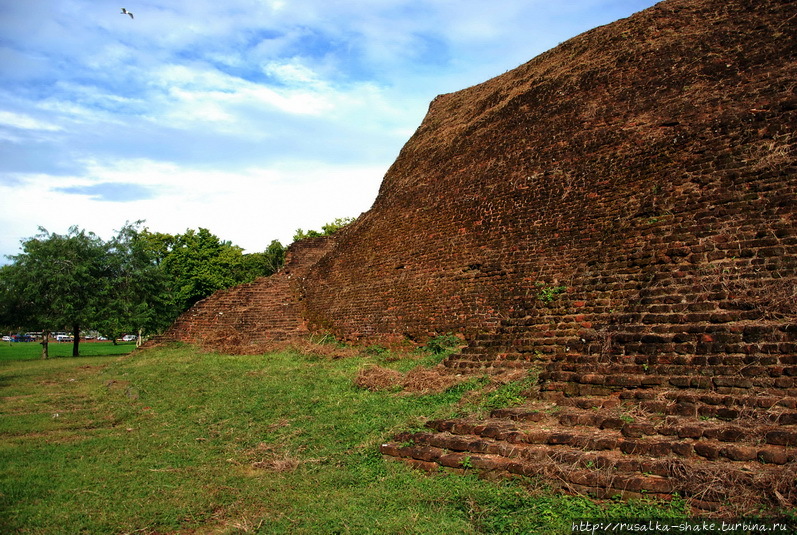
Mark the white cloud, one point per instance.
(292, 73)
(250, 207)
(26, 122)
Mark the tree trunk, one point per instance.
(45, 344)
(138, 339)
(76, 343)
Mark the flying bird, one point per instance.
(126, 12)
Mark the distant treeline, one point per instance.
(137, 282)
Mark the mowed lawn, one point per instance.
(174, 440)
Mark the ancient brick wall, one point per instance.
(644, 168)
(637, 211)
(245, 317)
(647, 166)
(619, 217)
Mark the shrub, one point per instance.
(442, 343)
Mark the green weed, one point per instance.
(548, 293)
(508, 395)
(443, 343)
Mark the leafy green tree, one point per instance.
(137, 294)
(300, 234)
(139, 281)
(336, 225)
(199, 263)
(326, 230)
(263, 264)
(57, 282)
(156, 244)
(15, 312)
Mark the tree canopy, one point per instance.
(137, 282)
(57, 282)
(137, 294)
(326, 230)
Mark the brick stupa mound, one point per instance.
(618, 216)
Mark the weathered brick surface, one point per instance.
(243, 318)
(646, 166)
(620, 215)
(632, 165)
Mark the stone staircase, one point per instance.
(725, 443)
(677, 379)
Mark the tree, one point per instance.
(263, 264)
(57, 282)
(137, 293)
(139, 281)
(274, 258)
(326, 230)
(198, 263)
(14, 310)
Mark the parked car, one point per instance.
(129, 338)
(6, 339)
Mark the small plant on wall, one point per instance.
(549, 293)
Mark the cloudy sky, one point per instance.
(250, 118)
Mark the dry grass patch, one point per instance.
(376, 378)
(418, 380)
(429, 381)
(272, 458)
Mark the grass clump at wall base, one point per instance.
(171, 440)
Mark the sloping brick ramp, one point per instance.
(249, 317)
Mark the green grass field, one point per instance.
(33, 350)
(173, 440)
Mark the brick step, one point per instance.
(487, 365)
(611, 429)
(620, 379)
(743, 401)
(686, 306)
(757, 409)
(766, 408)
(676, 359)
(627, 484)
(749, 372)
(707, 346)
(696, 320)
(487, 361)
(734, 344)
(671, 419)
(529, 339)
(554, 390)
(600, 473)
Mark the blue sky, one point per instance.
(251, 118)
